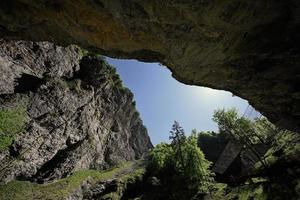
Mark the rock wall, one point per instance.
(78, 114)
(250, 48)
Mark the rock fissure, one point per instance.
(47, 171)
(70, 117)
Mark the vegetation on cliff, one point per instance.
(125, 173)
(79, 114)
(274, 153)
(12, 122)
(88, 121)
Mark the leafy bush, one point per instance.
(196, 166)
(181, 162)
(12, 122)
(162, 156)
(237, 127)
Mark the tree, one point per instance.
(236, 127)
(162, 156)
(197, 167)
(178, 138)
(182, 161)
(266, 130)
(239, 129)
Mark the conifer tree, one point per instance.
(177, 140)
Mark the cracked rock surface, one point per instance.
(78, 114)
(250, 48)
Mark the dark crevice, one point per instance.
(48, 168)
(28, 83)
(56, 5)
(35, 47)
(115, 127)
(7, 6)
(14, 150)
(134, 189)
(107, 153)
(2, 28)
(98, 3)
(47, 64)
(18, 57)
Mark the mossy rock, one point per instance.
(12, 122)
(61, 189)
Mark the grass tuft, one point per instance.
(12, 122)
(61, 189)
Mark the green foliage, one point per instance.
(218, 191)
(181, 161)
(196, 166)
(242, 129)
(61, 189)
(12, 122)
(124, 183)
(112, 72)
(116, 80)
(161, 156)
(285, 145)
(232, 125)
(247, 192)
(265, 128)
(137, 174)
(102, 72)
(177, 142)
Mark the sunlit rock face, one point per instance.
(79, 116)
(250, 48)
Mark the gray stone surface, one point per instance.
(78, 118)
(250, 48)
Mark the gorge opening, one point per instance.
(161, 99)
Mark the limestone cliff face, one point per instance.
(78, 114)
(250, 48)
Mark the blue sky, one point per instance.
(161, 99)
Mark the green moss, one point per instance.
(246, 192)
(136, 175)
(218, 190)
(284, 146)
(84, 52)
(132, 178)
(58, 82)
(19, 190)
(111, 196)
(259, 193)
(12, 122)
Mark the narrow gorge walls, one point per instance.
(70, 111)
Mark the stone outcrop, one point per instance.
(250, 48)
(78, 114)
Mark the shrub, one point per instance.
(161, 156)
(12, 122)
(181, 162)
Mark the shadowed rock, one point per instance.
(74, 122)
(250, 48)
